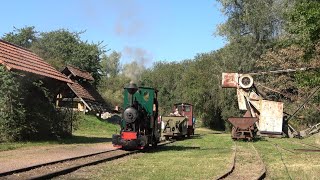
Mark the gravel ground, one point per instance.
(247, 165)
(24, 157)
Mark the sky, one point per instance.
(142, 30)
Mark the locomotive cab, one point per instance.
(139, 125)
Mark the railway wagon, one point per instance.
(179, 123)
(139, 125)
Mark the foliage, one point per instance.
(24, 37)
(12, 113)
(111, 64)
(111, 89)
(259, 20)
(304, 22)
(88, 129)
(62, 47)
(24, 117)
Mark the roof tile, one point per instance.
(18, 58)
(78, 72)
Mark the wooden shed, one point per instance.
(83, 96)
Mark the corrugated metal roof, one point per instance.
(80, 73)
(18, 58)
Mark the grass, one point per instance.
(206, 157)
(284, 164)
(90, 130)
(91, 126)
(203, 157)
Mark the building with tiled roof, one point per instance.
(77, 73)
(16, 58)
(83, 95)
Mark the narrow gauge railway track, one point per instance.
(253, 168)
(62, 167)
(315, 148)
(292, 151)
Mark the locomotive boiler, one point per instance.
(139, 125)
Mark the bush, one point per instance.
(12, 113)
(27, 110)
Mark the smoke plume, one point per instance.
(140, 59)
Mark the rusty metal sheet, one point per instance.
(241, 99)
(242, 122)
(271, 116)
(230, 80)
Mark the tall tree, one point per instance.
(62, 47)
(111, 64)
(24, 37)
(303, 22)
(251, 28)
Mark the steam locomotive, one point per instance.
(139, 125)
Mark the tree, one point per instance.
(111, 64)
(24, 37)
(62, 47)
(303, 22)
(260, 20)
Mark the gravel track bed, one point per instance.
(26, 157)
(60, 166)
(248, 164)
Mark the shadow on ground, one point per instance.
(169, 148)
(84, 140)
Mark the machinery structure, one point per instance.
(261, 115)
(139, 125)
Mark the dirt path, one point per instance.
(248, 164)
(19, 158)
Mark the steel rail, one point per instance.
(50, 163)
(262, 173)
(74, 168)
(232, 166)
(71, 168)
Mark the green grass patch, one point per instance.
(283, 162)
(90, 129)
(204, 156)
(91, 126)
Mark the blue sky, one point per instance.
(142, 30)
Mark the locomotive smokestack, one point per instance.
(132, 88)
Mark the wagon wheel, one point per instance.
(233, 132)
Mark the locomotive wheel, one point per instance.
(154, 142)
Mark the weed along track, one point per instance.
(246, 163)
(62, 167)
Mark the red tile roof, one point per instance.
(85, 91)
(80, 73)
(18, 58)
(89, 94)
